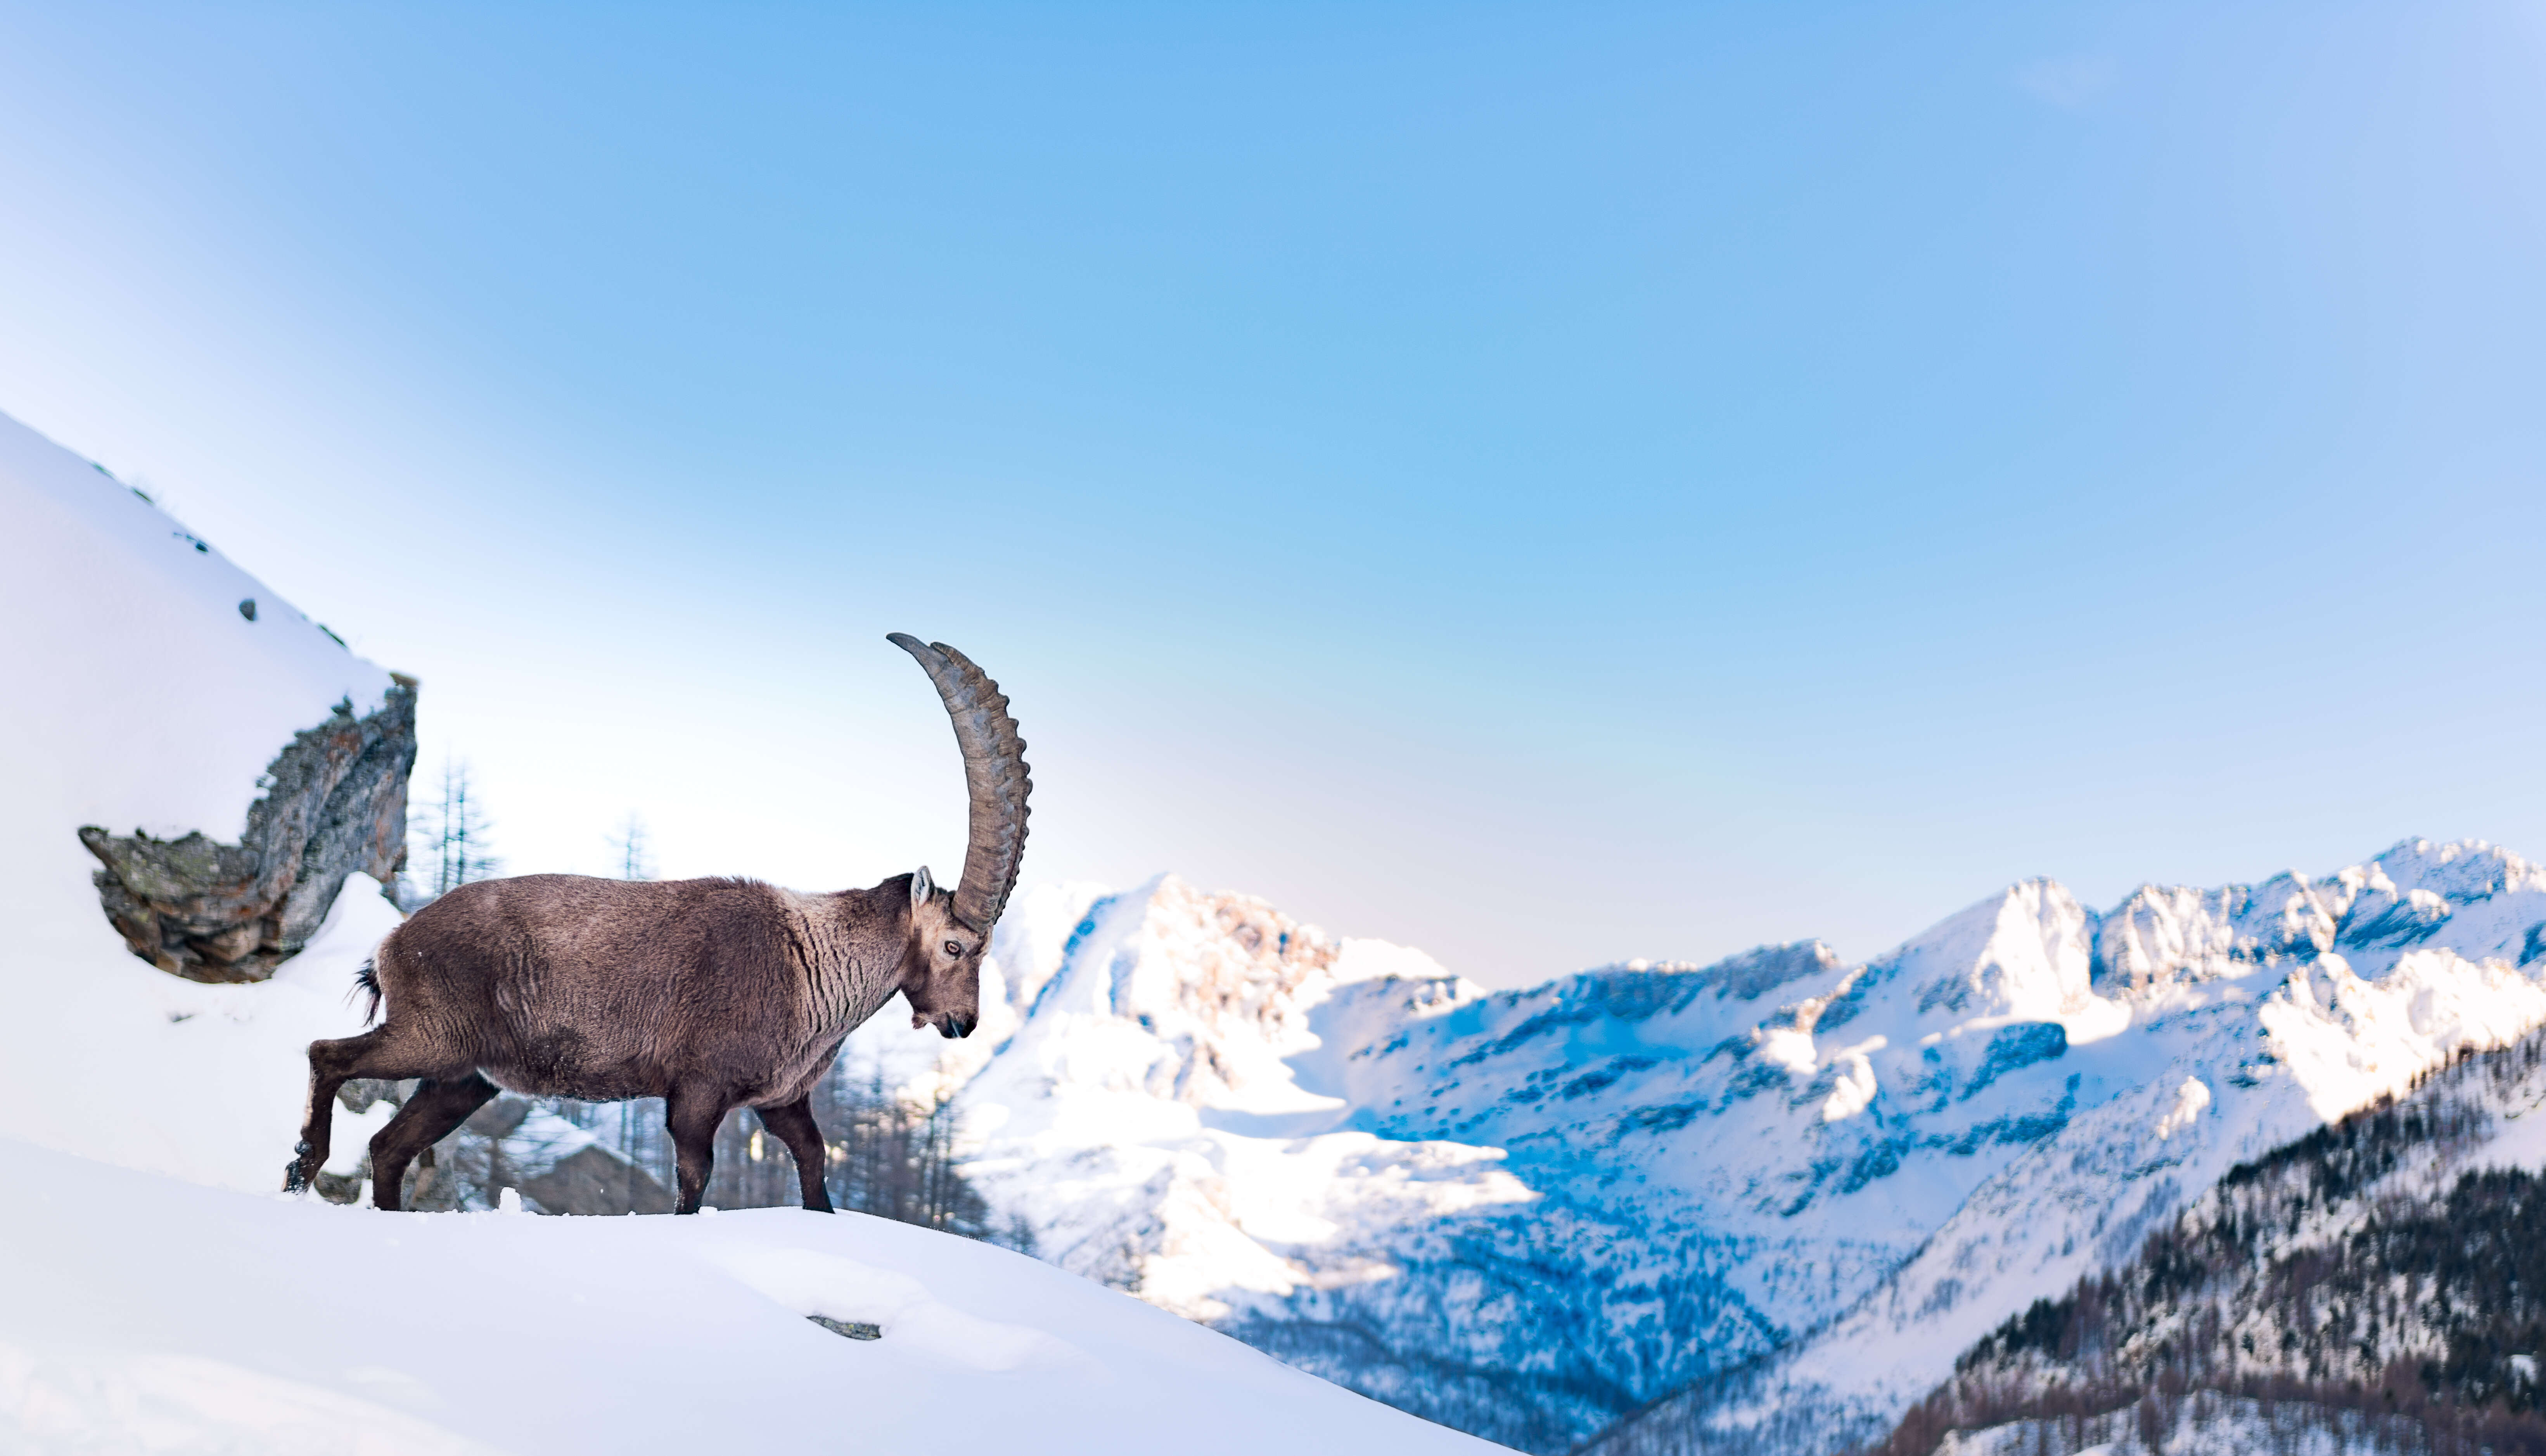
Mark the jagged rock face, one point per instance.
(335, 803)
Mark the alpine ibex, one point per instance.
(711, 994)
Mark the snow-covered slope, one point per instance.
(1525, 1213)
(173, 1304)
(140, 1314)
(140, 695)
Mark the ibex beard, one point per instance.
(711, 994)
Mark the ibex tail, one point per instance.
(368, 979)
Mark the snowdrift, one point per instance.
(137, 1312)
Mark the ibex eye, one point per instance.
(954, 947)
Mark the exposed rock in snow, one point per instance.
(335, 805)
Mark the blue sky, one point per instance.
(1545, 484)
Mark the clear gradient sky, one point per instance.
(1548, 484)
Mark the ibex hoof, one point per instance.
(296, 1174)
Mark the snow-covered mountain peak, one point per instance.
(1638, 988)
(1195, 997)
(2026, 954)
(1208, 971)
(2165, 939)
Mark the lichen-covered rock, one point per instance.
(335, 803)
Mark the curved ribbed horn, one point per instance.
(995, 771)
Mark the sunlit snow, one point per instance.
(156, 1295)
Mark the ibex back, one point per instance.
(711, 994)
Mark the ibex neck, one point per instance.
(851, 963)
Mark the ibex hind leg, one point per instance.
(391, 1052)
(428, 1117)
(795, 1126)
(691, 1115)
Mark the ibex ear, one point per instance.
(921, 887)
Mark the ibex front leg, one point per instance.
(691, 1115)
(795, 1126)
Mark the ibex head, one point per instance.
(941, 975)
(941, 971)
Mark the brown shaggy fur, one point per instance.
(711, 994)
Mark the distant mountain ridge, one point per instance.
(1787, 1188)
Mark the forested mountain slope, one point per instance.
(2381, 1281)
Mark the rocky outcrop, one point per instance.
(335, 803)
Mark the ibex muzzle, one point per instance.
(711, 994)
